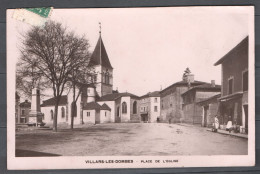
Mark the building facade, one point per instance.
(98, 103)
(192, 111)
(234, 91)
(171, 99)
(150, 110)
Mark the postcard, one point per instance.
(159, 87)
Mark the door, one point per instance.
(246, 117)
(206, 108)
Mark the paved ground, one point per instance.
(128, 139)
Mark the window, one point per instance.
(124, 108)
(245, 81)
(23, 112)
(230, 85)
(155, 100)
(155, 108)
(134, 107)
(105, 113)
(51, 114)
(62, 112)
(144, 109)
(88, 114)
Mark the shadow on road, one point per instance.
(30, 153)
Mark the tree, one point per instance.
(80, 78)
(55, 53)
(186, 72)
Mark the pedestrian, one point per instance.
(229, 124)
(216, 123)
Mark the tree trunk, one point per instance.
(55, 119)
(72, 114)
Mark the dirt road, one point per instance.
(130, 139)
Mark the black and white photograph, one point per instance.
(130, 87)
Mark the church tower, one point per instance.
(104, 71)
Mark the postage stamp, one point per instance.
(33, 16)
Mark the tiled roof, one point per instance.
(184, 83)
(25, 104)
(243, 42)
(152, 94)
(99, 55)
(105, 107)
(112, 97)
(92, 106)
(51, 101)
(206, 86)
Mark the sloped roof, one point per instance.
(184, 83)
(51, 101)
(238, 46)
(25, 104)
(152, 94)
(206, 86)
(99, 55)
(210, 98)
(92, 106)
(112, 97)
(105, 107)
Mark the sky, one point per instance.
(149, 48)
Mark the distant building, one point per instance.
(171, 100)
(17, 108)
(234, 92)
(25, 108)
(192, 111)
(210, 108)
(150, 107)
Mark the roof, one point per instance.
(105, 107)
(99, 55)
(51, 101)
(206, 86)
(184, 83)
(92, 106)
(244, 41)
(152, 94)
(210, 98)
(25, 104)
(112, 97)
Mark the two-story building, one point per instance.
(171, 100)
(25, 108)
(150, 107)
(192, 110)
(234, 91)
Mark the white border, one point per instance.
(64, 162)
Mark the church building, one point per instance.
(98, 103)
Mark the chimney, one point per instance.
(189, 78)
(213, 83)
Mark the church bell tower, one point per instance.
(104, 71)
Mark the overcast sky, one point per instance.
(151, 47)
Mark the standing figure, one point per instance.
(215, 124)
(229, 124)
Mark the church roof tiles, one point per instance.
(99, 55)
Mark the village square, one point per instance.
(87, 115)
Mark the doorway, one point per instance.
(246, 117)
(206, 109)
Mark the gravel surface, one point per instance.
(128, 139)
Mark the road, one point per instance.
(129, 139)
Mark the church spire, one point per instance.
(99, 29)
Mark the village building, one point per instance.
(150, 107)
(24, 108)
(171, 100)
(210, 109)
(234, 91)
(192, 111)
(98, 102)
(17, 108)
